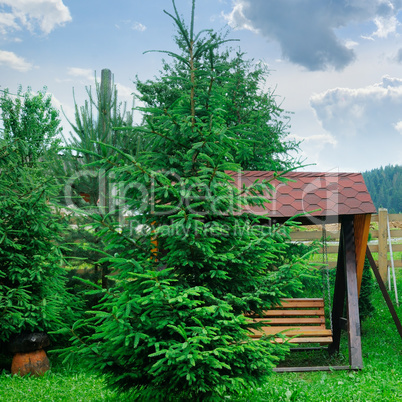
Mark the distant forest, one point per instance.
(385, 187)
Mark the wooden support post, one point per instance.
(338, 304)
(382, 243)
(355, 347)
(384, 292)
(361, 226)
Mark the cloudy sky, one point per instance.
(335, 64)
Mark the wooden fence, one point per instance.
(378, 243)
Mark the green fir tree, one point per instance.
(190, 265)
(249, 109)
(33, 295)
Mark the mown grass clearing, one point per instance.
(380, 380)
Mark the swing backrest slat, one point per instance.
(299, 320)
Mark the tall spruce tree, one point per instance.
(85, 186)
(33, 295)
(191, 264)
(249, 108)
(95, 125)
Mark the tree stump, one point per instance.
(29, 355)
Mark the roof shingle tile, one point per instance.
(333, 194)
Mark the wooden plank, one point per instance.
(332, 249)
(382, 243)
(291, 332)
(392, 217)
(306, 235)
(308, 369)
(301, 303)
(302, 299)
(397, 263)
(354, 334)
(286, 321)
(317, 234)
(322, 340)
(284, 313)
(395, 217)
(394, 233)
(395, 247)
(297, 320)
(361, 224)
(339, 296)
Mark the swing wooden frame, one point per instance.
(336, 198)
(298, 320)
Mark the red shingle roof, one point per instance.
(318, 194)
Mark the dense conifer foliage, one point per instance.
(33, 296)
(385, 187)
(191, 261)
(249, 108)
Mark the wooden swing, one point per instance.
(335, 198)
(300, 320)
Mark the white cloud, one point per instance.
(307, 30)
(318, 138)
(385, 26)
(124, 91)
(55, 102)
(85, 73)
(137, 26)
(347, 110)
(7, 23)
(31, 14)
(237, 19)
(350, 44)
(398, 126)
(365, 122)
(11, 60)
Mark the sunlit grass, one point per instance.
(380, 379)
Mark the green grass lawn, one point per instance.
(58, 384)
(380, 380)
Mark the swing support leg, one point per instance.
(384, 291)
(355, 347)
(338, 303)
(346, 285)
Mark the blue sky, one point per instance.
(336, 65)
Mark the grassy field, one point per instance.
(380, 380)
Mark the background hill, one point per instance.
(385, 187)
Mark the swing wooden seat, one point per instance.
(299, 320)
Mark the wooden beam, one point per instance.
(382, 243)
(354, 335)
(338, 303)
(307, 369)
(361, 224)
(384, 292)
(287, 313)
